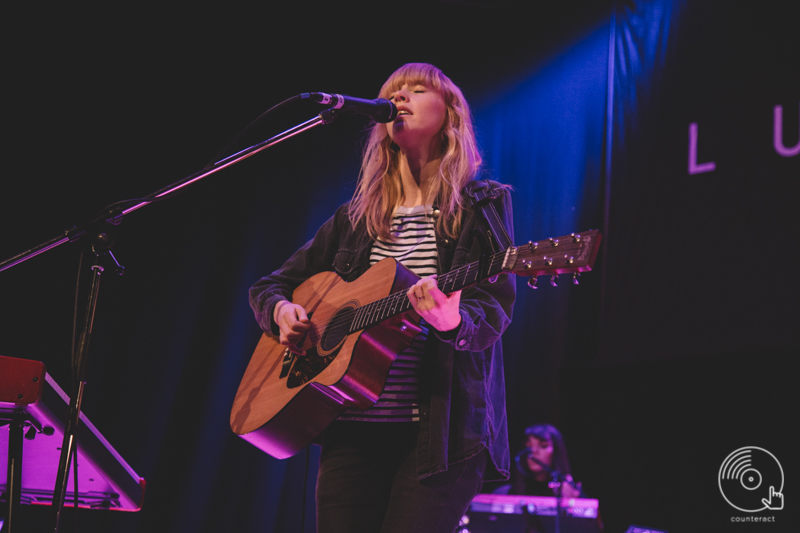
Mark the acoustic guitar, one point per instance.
(356, 330)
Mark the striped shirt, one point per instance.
(413, 244)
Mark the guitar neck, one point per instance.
(455, 280)
(573, 253)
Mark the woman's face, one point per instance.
(421, 113)
(542, 450)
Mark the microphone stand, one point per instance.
(557, 478)
(556, 486)
(100, 231)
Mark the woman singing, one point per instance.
(413, 461)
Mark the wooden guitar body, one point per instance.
(284, 401)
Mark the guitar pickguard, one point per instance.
(330, 344)
(309, 366)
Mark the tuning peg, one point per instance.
(575, 277)
(553, 279)
(532, 282)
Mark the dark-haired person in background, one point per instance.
(543, 460)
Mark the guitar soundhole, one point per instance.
(318, 358)
(337, 329)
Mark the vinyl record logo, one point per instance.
(751, 480)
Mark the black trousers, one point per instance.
(367, 482)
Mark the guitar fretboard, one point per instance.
(370, 314)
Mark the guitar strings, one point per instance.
(378, 307)
(373, 312)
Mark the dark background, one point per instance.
(673, 353)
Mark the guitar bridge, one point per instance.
(308, 367)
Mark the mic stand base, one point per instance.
(68, 444)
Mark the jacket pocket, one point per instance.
(345, 263)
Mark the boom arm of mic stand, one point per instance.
(75, 233)
(326, 117)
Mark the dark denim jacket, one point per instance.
(462, 404)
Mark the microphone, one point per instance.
(525, 454)
(379, 110)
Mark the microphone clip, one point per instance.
(329, 115)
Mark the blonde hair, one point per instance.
(380, 191)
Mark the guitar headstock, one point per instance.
(563, 255)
